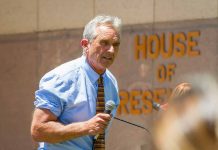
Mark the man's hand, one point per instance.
(98, 123)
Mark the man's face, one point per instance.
(103, 49)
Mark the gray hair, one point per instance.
(90, 29)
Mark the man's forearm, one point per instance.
(54, 132)
(46, 128)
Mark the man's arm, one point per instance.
(46, 128)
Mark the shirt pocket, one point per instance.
(78, 109)
(77, 101)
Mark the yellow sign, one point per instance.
(136, 102)
(179, 45)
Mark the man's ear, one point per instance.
(84, 43)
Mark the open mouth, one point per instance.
(107, 58)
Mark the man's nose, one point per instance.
(111, 49)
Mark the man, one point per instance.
(65, 116)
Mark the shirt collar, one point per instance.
(93, 76)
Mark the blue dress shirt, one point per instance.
(69, 92)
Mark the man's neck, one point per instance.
(98, 71)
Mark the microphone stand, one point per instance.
(132, 124)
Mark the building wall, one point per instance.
(24, 16)
(36, 36)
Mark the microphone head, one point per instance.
(110, 105)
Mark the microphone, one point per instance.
(156, 106)
(109, 106)
(159, 107)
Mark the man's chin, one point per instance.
(106, 65)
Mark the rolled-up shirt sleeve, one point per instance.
(47, 95)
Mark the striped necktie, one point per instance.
(99, 143)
